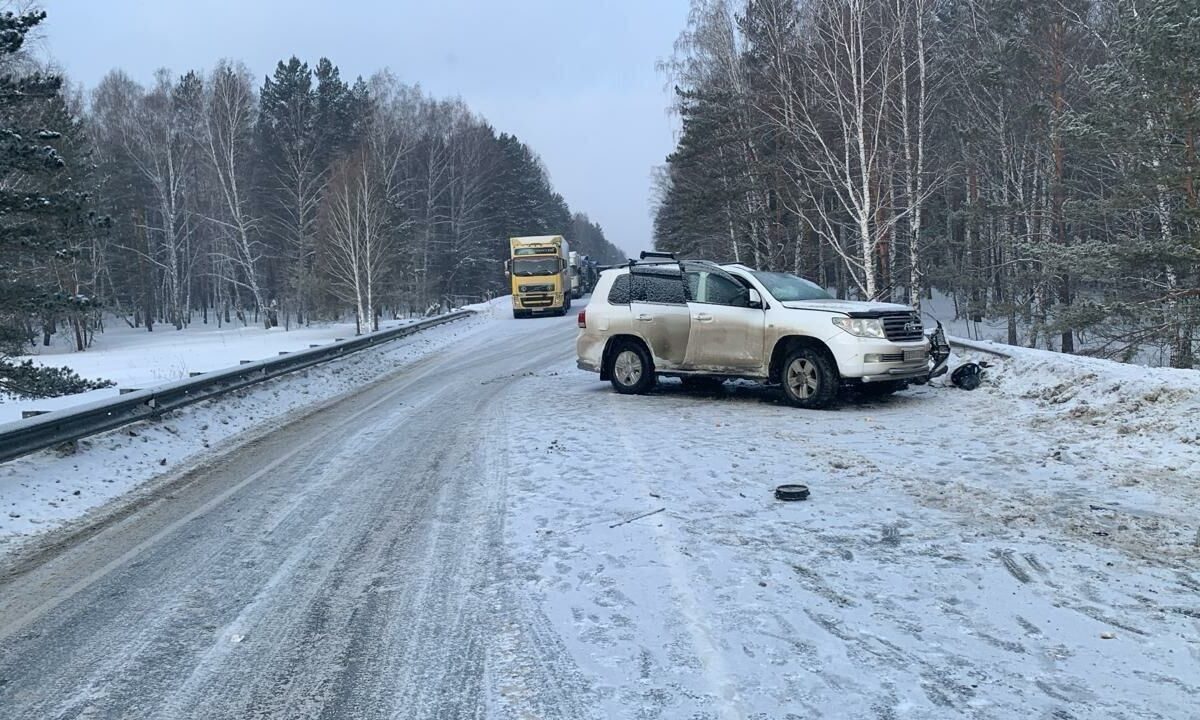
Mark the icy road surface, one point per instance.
(452, 544)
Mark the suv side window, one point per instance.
(716, 289)
(619, 293)
(658, 288)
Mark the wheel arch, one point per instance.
(613, 342)
(787, 344)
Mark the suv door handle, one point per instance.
(645, 318)
(704, 317)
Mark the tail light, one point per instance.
(583, 318)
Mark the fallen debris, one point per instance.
(638, 517)
(791, 493)
(967, 376)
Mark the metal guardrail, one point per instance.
(977, 346)
(62, 426)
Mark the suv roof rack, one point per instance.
(647, 255)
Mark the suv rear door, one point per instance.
(726, 334)
(660, 313)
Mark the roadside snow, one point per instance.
(1024, 550)
(496, 307)
(134, 358)
(44, 491)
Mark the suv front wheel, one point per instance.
(631, 371)
(809, 379)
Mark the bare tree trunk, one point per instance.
(227, 136)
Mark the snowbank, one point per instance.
(1101, 392)
(495, 305)
(1120, 448)
(139, 359)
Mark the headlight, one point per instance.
(861, 327)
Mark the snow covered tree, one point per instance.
(45, 214)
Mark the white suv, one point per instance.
(705, 322)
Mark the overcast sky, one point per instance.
(575, 79)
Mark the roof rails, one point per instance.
(647, 258)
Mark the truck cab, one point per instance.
(540, 276)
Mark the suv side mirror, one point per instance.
(755, 300)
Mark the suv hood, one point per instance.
(852, 308)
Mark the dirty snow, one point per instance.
(45, 490)
(1025, 550)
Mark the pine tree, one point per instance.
(290, 180)
(1146, 125)
(43, 209)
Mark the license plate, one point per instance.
(910, 355)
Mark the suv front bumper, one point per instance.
(870, 361)
(904, 371)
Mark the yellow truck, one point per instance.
(541, 280)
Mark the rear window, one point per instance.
(658, 288)
(619, 294)
(652, 287)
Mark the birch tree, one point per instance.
(227, 143)
(358, 236)
(848, 85)
(155, 140)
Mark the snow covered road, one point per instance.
(452, 543)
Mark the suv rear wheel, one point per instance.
(808, 379)
(631, 371)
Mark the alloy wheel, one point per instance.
(628, 368)
(802, 378)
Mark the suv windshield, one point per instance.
(529, 267)
(787, 287)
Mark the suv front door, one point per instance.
(660, 313)
(727, 335)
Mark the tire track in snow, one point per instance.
(698, 626)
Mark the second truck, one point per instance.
(540, 275)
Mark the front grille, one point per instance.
(892, 357)
(537, 301)
(903, 327)
(536, 288)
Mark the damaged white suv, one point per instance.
(705, 322)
